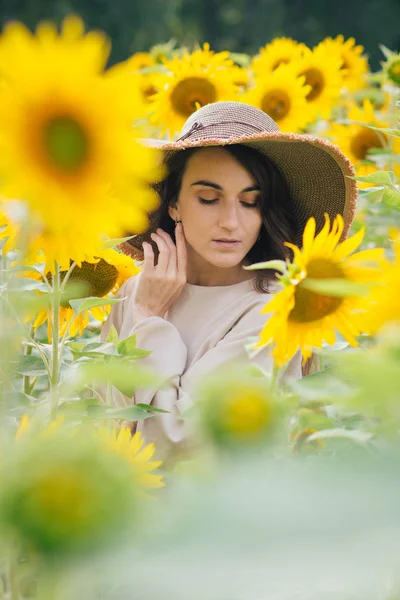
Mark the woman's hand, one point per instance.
(159, 286)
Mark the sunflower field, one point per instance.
(294, 491)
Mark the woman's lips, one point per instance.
(225, 244)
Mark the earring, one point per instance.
(176, 222)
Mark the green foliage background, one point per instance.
(237, 25)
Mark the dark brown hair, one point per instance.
(279, 224)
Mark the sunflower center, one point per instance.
(192, 93)
(90, 280)
(63, 496)
(247, 414)
(315, 79)
(311, 306)
(276, 103)
(363, 141)
(66, 143)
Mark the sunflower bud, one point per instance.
(391, 69)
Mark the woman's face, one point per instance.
(218, 201)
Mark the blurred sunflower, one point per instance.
(120, 441)
(280, 51)
(302, 317)
(282, 95)
(92, 279)
(235, 408)
(58, 498)
(191, 82)
(382, 304)
(140, 60)
(356, 141)
(66, 142)
(322, 71)
(138, 455)
(354, 63)
(8, 232)
(241, 77)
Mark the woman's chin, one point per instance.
(225, 261)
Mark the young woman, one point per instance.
(236, 190)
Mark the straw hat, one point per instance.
(316, 171)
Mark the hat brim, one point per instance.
(317, 172)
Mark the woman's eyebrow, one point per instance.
(252, 188)
(208, 184)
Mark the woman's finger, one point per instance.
(164, 256)
(181, 252)
(148, 257)
(172, 266)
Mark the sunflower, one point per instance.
(66, 142)
(120, 441)
(302, 319)
(8, 232)
(282, 95)
(278, 52)
(356, 141)
(241, 77)
(235, 409)
(382, 305)
(140, 60)
(322, 71)
(191, 82)
(99, 279)
(138, 455)
(354, 63)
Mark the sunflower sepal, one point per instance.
(335, 287)
(114, 242)
(277, 265)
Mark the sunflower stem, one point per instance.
(67, 276)
(393, 92)
(13, 575)
(28, 352)
(274, 378)
(55, 364)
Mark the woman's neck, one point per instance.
(206, 274)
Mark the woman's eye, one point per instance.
(250, 204)
(204, 201)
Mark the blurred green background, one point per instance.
(237, 25)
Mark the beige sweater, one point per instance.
(205, 328)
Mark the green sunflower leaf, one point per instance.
(83, 304)
(30, 365)
(124, 375)
(112, 336)
(128, 413)
(391, 198)
(379, 177)
(385, 130)
(127, 347)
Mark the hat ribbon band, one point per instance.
(197, 126)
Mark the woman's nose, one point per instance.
(228, 217)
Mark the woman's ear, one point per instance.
(173, 212)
